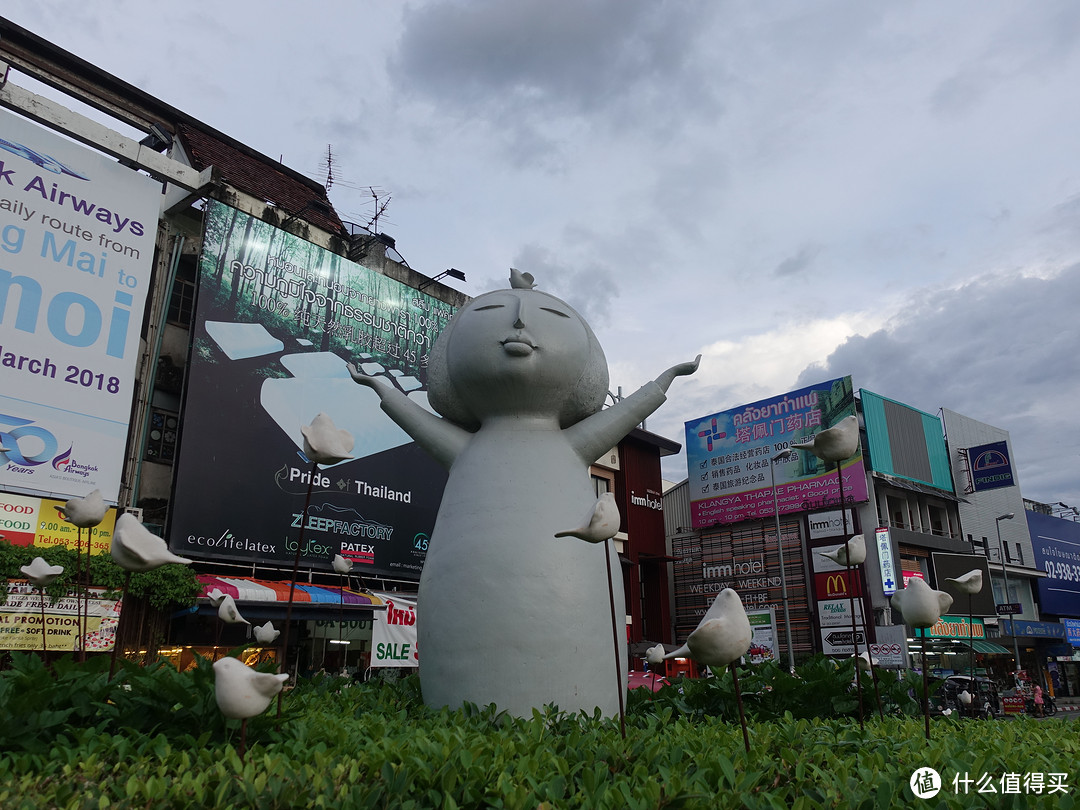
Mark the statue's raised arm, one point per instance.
(443, 440)
(600, 432)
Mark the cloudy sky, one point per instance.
(797, 191)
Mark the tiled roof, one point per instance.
(261, 177)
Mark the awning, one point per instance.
(989, 647)
(246, 589)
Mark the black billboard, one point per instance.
(277, 320)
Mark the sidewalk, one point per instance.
(1067, 704)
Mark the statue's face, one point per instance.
(517, 351)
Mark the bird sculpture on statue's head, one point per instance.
(836, 443)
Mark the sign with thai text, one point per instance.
(393, 633)
(730, 457)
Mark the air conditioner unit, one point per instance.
(134, 510)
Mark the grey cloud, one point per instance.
(799, 262)
(1000, 350)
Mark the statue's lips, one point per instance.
(518, 348)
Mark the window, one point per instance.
(182, 301)
(1019, 554)
(1008, 556)
(161, 437)
(979, 545)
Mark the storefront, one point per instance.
(331, 625)
(957, 645)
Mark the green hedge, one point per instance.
(153, 738)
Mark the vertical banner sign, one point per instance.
(763, 640)
(729, 454)
(76, 248)
(278, 321)
(393, 634)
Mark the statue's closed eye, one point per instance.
(556, 311)
(489, 306)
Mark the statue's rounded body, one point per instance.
(508, 613)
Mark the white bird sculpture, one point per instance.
(969, 583)
(723, 635)
(215, 596)
(324, 443)
(853, 552)
(865, 662)
(601, 524)
(342, 565)
(84, 512)
(921, 605)
(40, 573)
(241, 692)
(229, 613)
(135, 548)
(836, 443)
(655, 655)
(266, 633)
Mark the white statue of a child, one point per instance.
(508, 613)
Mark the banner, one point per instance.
(77, 235)
(729, 455)
(393, 634)
(277, 321)
(29, 521)
(21, 621)
(763, 639)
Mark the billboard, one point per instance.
(77, 235)
(954, 566)
(29, 521)
(277, 319)
(990, 466)
(1056, 543)
(23, 620)
(728, 457)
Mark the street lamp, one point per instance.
(780, 546)
(1005, 574)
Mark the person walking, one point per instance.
(1038, 701)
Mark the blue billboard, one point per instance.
(990, 466)
(1056, 543)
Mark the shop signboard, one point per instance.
(77, 235)
(763, 635)
(958, 627)
(393, 633)
(1072, 631)
(1056, 543)
(26, 520)
(278, 319)
(21, 620)
(837, 612)
(1026, 629)
(990, 466)
(886, 564)
(729, 455)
